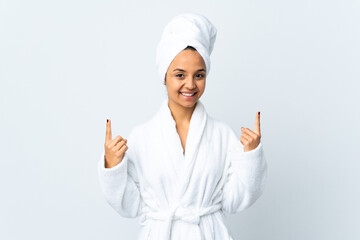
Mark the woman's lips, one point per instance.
(188, 97)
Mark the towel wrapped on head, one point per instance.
(187, 29)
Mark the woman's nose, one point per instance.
(190, 83)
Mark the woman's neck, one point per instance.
(180, 114)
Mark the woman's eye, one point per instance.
(182, 75)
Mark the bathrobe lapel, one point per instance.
(182, 164)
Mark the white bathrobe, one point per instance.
(183, 196)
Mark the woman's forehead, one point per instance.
(188, 59)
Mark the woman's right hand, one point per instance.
(114, 148)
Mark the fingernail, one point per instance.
(107, 120)
(259, 113)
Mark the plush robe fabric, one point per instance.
(183, 196)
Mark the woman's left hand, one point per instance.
(251, 139)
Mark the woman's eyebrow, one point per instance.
(178, 69)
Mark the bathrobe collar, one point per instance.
(183, 163)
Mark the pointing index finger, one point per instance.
(108, 131)
(257, 124)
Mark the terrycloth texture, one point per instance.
(183, 196)
(187, 29)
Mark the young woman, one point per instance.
(181, 170)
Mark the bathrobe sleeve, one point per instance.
(120, 184)
(246, 174)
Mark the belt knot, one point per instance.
(187, 214)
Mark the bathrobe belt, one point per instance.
(190, 215)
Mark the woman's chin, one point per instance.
(185, 103)
(188, 104)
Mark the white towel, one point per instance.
(187, 29)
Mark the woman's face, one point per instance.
(186, 75)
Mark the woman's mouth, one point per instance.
(188, 95)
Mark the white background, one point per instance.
(66, 66)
